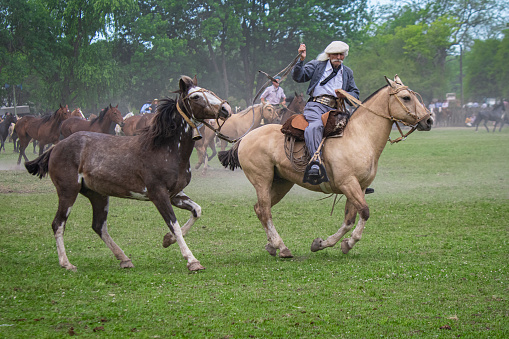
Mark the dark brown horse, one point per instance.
(151, 166)
(4, 129)
(45, 130)
(101, 124)
(296, 106)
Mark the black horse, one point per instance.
(4, 129)
(497, 114)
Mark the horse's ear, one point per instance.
(398, 80)
(296, 94)
(389, 81)
(195, 80)
(116, 106)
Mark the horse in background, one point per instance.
(496, 114)
(46, 130)
(118, 128)
(135, 124)
(78, 113)
(201, 146)
(101, 124)
(153, 166)
(247, 120)
(5, 125)
(296, 106)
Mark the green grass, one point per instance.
(432, 261)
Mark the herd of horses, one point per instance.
(152, 162)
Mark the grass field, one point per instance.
(433, 260)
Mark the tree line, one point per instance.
(91, 53)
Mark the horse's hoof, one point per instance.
(345, 247)
(316, 245)
(272, 250)
(70, 267)
(195, 266)
(285, 253)
(169, 239)
(126, 264)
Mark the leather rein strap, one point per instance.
(390, 117)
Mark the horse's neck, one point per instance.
(368, 128)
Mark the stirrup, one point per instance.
(315, 180)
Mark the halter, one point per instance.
(394, 91)
(191, 121)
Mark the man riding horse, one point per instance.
(326, 74)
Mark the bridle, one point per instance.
(192, 121)
(394, 91)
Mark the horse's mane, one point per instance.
(100, 117)
(164, 125)
(500, 105)
(47, 117)
(367, 99)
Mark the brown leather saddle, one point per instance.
(334, 123)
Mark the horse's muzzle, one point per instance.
(225, 111)
(425, 124)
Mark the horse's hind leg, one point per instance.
(100, 206)
(181, 200)
(267, 199)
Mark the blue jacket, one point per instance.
(313, 71)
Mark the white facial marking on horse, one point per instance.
(211, 98)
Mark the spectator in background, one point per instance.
(153, 105)
(145, 108)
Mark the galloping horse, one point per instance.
(101, 124)
(497, 114)
(135, 124)
(247, 120)
(151, 166)
(45, 130)
(351, 162)
(296, 106)
(4, 129)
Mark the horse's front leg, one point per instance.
(350, 216)
(181, 200)
(263, 210)
(161, 200)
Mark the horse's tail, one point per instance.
(230, 158)
(39, 166)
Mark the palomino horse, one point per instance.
(135, 124)
(247, 120)
(207, 141)
(296, 106)
(351, 162)
(151, 166)
(101, 124)
(45, 130)
(497, 114)
(4, 129)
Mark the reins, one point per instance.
(393, 91)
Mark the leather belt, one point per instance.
(327, 100)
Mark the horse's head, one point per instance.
(269, 113)
(405, 106)
(115, 115)
(201, 103)
(298, 103)
(63, 112)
